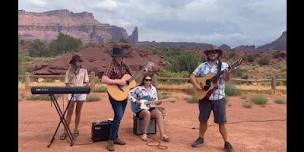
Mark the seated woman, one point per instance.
(144, 90)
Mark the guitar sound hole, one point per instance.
(206, 87)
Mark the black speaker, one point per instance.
(138, 123)
(100, 130)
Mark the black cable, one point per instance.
(158, 144)
(235, 122)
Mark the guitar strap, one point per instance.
(219, 67)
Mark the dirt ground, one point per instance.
(255, 129)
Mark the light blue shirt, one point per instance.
(203, 69)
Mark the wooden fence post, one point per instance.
(155, 81)
(273, 83)
(92, 81)
(27, 81)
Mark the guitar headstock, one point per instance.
(150, 67)
(237, 63)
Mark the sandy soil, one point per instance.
(38, 121)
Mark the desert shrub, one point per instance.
(245, 76)
(250, 58)
(92, 97)
(239, 72)
(247, 104)
(264, 61)
(100, 89)
(280, 101)
(184, 62)
(276, 54)
(39, 49)
(164, 95)
(231, 90)
(232, 54)
(259, 99)
(64, 43)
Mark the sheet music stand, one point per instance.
(62, 119)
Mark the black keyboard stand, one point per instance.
(62, 120)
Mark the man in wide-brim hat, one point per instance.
(214, 49)
(216, 101)
(113, 74)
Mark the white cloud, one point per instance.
(38, 2)
(107, 5)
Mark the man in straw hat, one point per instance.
(115, 70)
(216, 101)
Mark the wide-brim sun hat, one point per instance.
(118, 52)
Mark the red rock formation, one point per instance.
(96, 59)
(47, 25)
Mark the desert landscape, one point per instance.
(256, 95)
(251, 128)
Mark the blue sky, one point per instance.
(232, 22)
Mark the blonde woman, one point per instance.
(75, 76)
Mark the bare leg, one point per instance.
(78, 113)
(223, 131)
(202, 129)
(160, 121)
(70, 112)
(145, 114)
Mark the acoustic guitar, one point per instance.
(120, 93)
(208, 82)
(144, 102)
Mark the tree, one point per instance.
(65, 43)
(38, 49)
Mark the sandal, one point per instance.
(165, 138)
(144, 137)
(76, 133)
(63, 136)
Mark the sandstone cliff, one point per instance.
(47, 25)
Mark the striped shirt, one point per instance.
(203, 69)
(116, 71)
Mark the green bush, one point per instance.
(250, 58)
(184, 62)
(231, 90)
(92, 97)
(264, 61)
(276, 54)
(239, 72)
(64, 43)
(164, 95)
(259, 99)
(280, 101)
(39, 49)
(100, 89)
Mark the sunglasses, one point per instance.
(147, 79)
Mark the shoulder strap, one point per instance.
(219, 67)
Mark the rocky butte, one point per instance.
(47, 25)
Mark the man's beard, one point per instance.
(212, 59)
